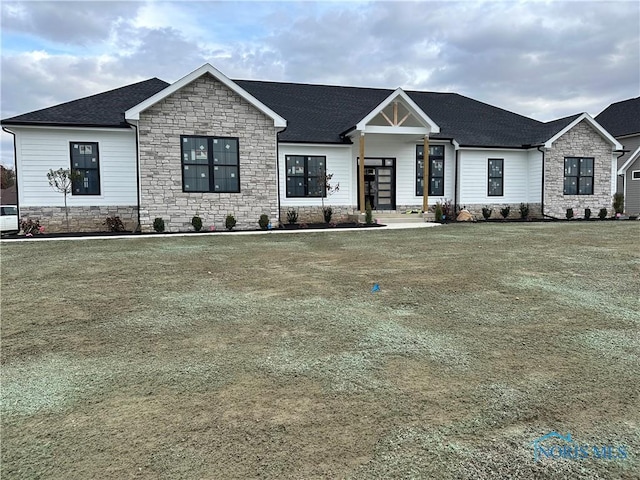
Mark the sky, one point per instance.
(542, 59)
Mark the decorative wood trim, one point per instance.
(387, 118)
(403, 119)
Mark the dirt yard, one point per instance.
(269, 357)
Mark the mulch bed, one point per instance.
(302, 226)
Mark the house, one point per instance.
(622, 120)
(9, 196)
(212, 146)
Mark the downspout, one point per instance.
(139, 226)
(278, 177)
(455, 178)
(624, 181)
(542, 186)
(15, 170)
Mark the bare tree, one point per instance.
(61, 181)
(329, 189)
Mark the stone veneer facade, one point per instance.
(81, 219)
(206, 107)
(581, 141)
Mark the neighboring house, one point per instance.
(9, 196)
(622, 120)
(211, 146)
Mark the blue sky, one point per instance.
(541, 59)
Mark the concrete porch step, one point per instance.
(392, 217)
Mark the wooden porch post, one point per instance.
(361, 174)
(425, 175)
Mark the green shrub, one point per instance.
(327, 213)
(524, 210)
(292, 216)
(196, 221)
(486, 212)
(602, 214)
(587, 213)
(438, 212)
(230, 222)
(158, 225)
(114, 224)
(569, 213)
(263, 221)
(618, 203)
(368, 216)
(505, 211)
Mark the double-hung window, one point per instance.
(210, 164)
(578, 176)
(436, 170)
(496, 177)
(85, 168)
(305, 176)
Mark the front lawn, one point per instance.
(268, 356)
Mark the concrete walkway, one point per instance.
(390, 226)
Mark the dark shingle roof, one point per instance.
(321, 113)
(101, 110)
(547, 130)
(474, 123)
(621, 118)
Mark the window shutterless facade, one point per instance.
(210, 164)
(305, 176)
(85, 163)
(495, 185)
(436, 170)
(578, 176)
(635, 175)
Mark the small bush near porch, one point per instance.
(268, 356)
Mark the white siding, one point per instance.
(473, 169)
(403, 149)
(40, 149)
(338, 164)
(535, 176)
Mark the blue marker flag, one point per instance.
(376, 288)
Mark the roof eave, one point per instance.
(632, 158)
(9, 123)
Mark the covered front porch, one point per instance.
(388, 154)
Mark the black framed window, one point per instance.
(210, 164)
(436, 170)
(496, 177)
(85, 166)
(578, 176)
(305, 176)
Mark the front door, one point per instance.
(379, 183)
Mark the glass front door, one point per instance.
(379, 183)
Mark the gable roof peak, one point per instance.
(134, 112)
(583, 117)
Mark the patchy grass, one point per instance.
(267, 356)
